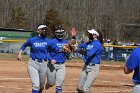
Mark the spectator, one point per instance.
(134, 44)
(115, 42)
(115, 50)
(108, 40)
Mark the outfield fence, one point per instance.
(12, 46)
(116, 53)
(110, 52)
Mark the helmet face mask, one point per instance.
(59, 32)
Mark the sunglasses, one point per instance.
(94, 34)
(45, 28)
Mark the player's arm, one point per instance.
(89, 53)
(27, 43)
(131, 63)
(81, 48)
(55, 48)
(48, 55)
(19, 55)
(93, 51)
(51, 59)
(127, 70)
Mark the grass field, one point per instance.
(6, 56)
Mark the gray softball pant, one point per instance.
(88, 75)
(136, 88)
(37, 73)
(55, 73)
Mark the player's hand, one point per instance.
(19, 57)
(53, 61)
(73, 32)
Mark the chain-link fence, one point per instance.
(12, 46)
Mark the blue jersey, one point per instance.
(94, 51)
(133, 63)
(38, 47)
(56, 51)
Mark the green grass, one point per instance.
(75, 60)
(6, 56)
(113, 62)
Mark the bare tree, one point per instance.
(105, 15)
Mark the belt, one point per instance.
(59, 62)
(90, 64)
(137, 83)
(39, 60)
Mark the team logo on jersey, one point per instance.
(40, 44)
(60, 45)
(89, 47)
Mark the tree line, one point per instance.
(116, 19)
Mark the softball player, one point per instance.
(133, 64)
(92, 54)
(37, 65)
(56, 72)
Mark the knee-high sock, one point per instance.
(35, 91)
(58, 90)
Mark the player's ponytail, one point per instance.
(100, 37)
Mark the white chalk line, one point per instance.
(13, 88)
(111, 65)
(14, 78)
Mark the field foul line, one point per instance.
(13, 88)
(117, 83)
(113, 91)
(14, 78)
(111, 65)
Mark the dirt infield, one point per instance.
(14, 78)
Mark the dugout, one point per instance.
(12, 39)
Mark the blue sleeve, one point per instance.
(55, 48)
(27, 43)
(82, 45)
(92, 51)
(49, 46)
(132, 61)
